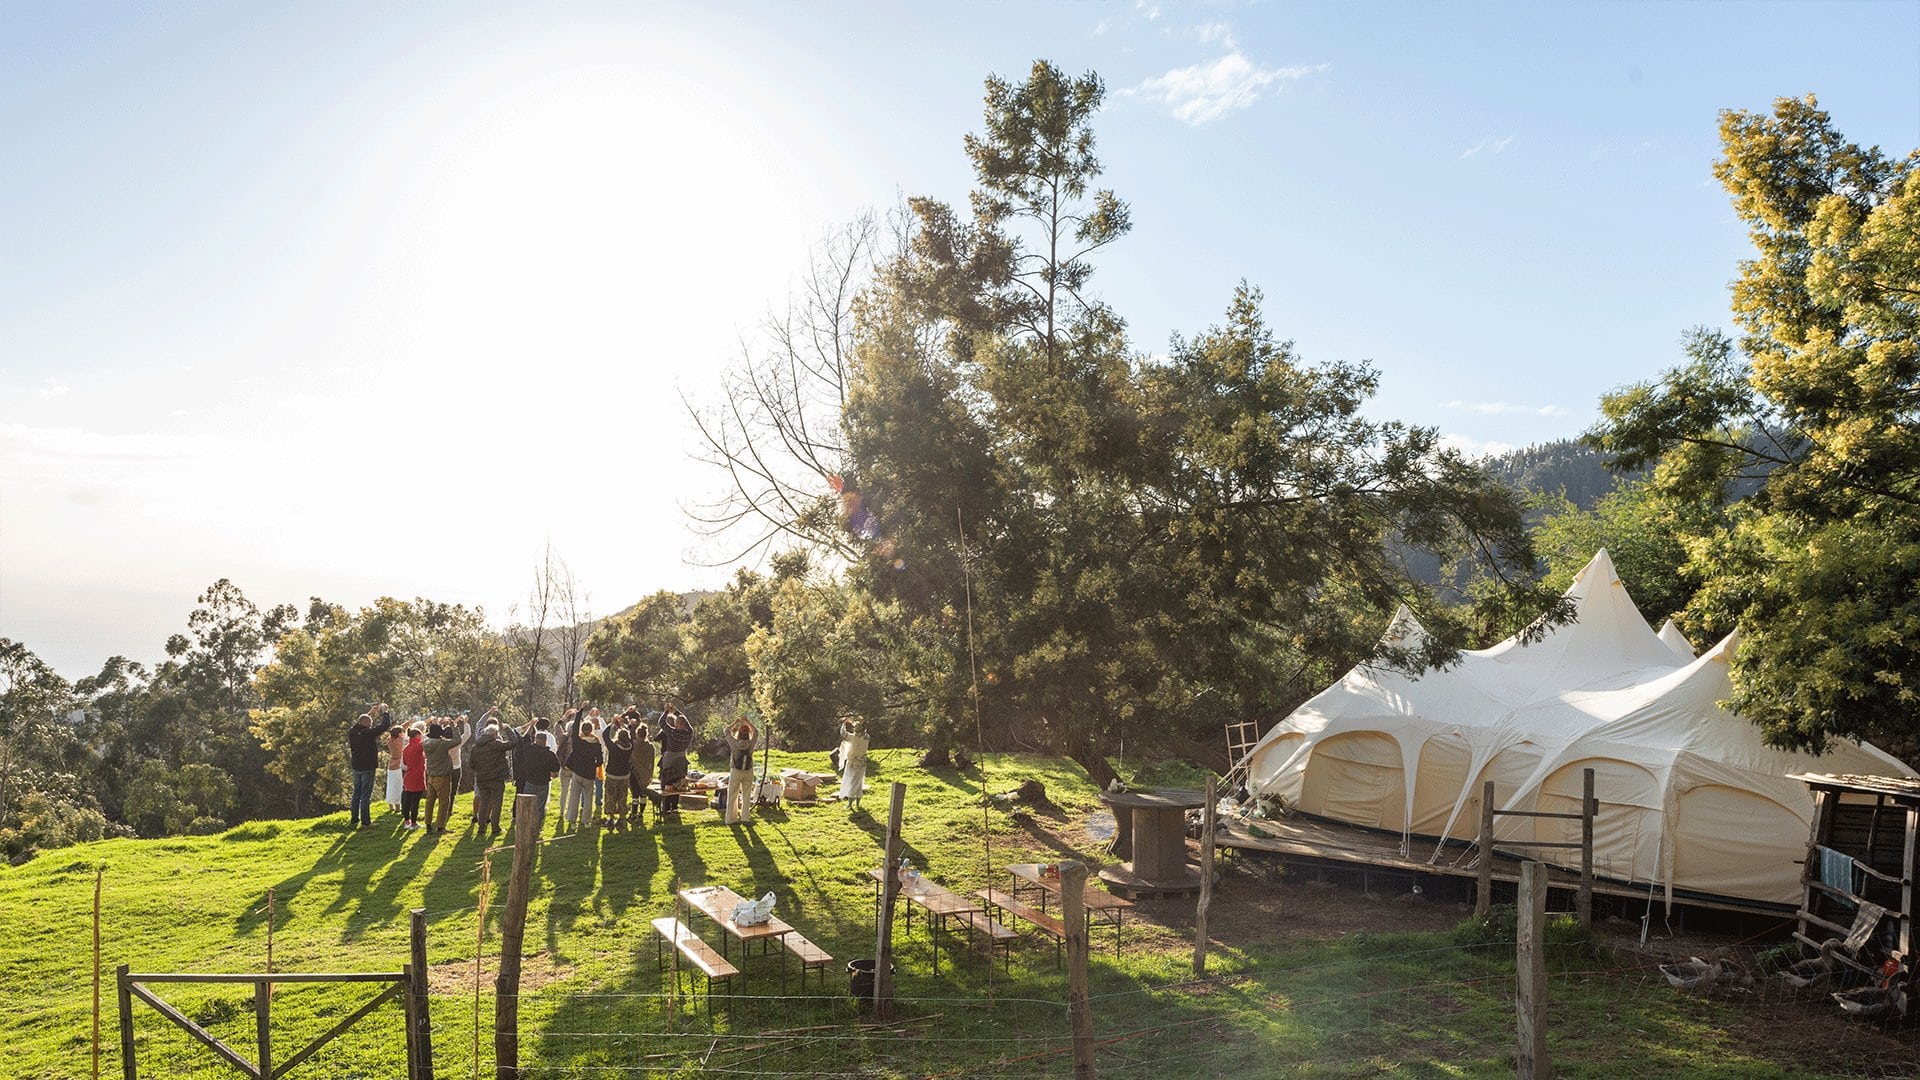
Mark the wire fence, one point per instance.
(1368, 1010)
(1361, 1006)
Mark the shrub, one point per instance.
(1500, 925)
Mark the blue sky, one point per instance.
(357, 299)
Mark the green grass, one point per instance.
(1363, 1004)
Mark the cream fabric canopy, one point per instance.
(1690, 798)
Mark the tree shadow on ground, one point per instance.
(571, 878)
(372, 875)
(1049, 840)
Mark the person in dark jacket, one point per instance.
(619, 768)
(534, 765)
(487, 761)
(363, 754)
(675, 739)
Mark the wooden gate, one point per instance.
(408, 984)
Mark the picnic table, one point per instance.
(1029, 879)
(717, 902)
(940, 903)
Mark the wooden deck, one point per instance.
(1305, 837)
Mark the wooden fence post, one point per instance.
(97, 874)
(1589, 806)
(1530, 971)
(420, 1059)
(1073, 912)
(889, 896)
(128, 1069)
(1483, 897)
(262, 1023)
(513, 930)
(1207, 824)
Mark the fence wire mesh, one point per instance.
(1372, 1008)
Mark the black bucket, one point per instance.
(860, 978)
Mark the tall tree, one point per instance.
(1816, 570)
(1134, 551)
(775, 434)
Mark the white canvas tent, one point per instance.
(1691, 799)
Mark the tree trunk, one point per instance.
(936, 758)
(1096, 766)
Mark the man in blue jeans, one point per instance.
(363, 754)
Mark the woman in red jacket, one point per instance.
(414, 782)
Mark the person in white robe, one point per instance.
(853, 763)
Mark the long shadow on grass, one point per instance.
(628, 862)
(371, 878)
(875, 827)
(570, 871)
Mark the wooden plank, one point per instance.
(98, 874)
(226, 1052)
(889, 897)
(1208, 820)
(698, 952)
(1589, 806)
(277, 977)
(1019, 909)
(809, 953)
(513, 931)
(122, 985)
(1910, 834)
(1073, 887)
(263, 1024)
(1483, 895)
(984, 923)
(422, 1063)
(1530, 975)
(1306, 837)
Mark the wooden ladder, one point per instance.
(1242, 737)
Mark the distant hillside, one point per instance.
(1564, 465)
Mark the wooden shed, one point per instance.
(1859, 873)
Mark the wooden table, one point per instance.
(1152, 838)
(1028, 878)
(717, 902)
(672, 804)
(939, 902)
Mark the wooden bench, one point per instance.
(812, 957)
(697, 953)
(1047, 924)
(996, 936)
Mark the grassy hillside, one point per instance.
(1313, 981)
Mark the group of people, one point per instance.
(605, 765)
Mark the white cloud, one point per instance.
(51, 387)
(1150, 11)
(1475, 448)
(1497, 408)
(1492, 144)
(1642, 148)
(1203, 93)
(65, 444)
(1210, 33)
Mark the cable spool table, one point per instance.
(1151, 836)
